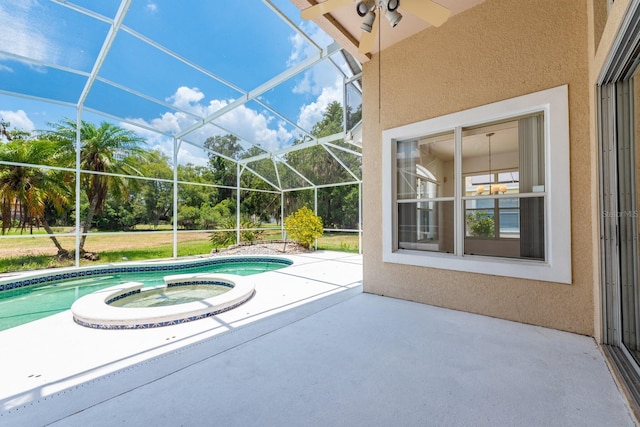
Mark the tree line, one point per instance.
(45, 197)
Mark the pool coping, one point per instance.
(94, 311)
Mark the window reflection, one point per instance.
(499, 160)
(425, 187)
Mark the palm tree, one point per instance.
(3, 130)
(25, 191)
(106, 149)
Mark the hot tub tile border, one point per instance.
(171, 285)
(161, 324)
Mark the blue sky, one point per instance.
(242, 42)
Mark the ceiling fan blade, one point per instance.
(427, 10)
(322, 8)
(367, 40)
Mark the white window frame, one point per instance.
(557, 265)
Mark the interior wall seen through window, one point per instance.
(502, 190)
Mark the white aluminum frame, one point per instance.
(116, 25)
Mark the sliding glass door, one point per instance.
(619, 162)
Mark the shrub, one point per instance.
(222, 239)
(304, 226)
(228, 236)
(480, 225)
(248, 232)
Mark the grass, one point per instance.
(31, 262)
(32, 253)
(162, 251)
(35, 231)
(342, 242)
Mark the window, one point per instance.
(483, 190)
(503, 168)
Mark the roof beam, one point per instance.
(82, 10)
(148, 98)
(106, 46)
(37, 98)
(253, 171)
(295, 147)
(181, 59)
(294, 170)
(340, 162)
(34, 61)
(346, 150)
(290, 23)
(265, 87)
(282, 116)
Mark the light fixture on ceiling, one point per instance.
(365, 6)
(392, 14)
(366, 9)
(367, 22)
(427, 10)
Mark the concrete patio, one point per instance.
(309, 349)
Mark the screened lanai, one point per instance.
(244, 113)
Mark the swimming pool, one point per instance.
(31, 297)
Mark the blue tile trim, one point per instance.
(132, 269)
(200, 282)
(161, 324)
(124, 295)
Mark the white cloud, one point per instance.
(18, 119)
(254, 127)
(152, 7)
(319, 76)
(186, 98)
(157, 141)
(25, 31)
(316, 79)
(321, 81)
(5, 68)
(312, 113)
(301, 49)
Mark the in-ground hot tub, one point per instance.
(183, 298)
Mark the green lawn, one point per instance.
(32, 253)
(342, 242)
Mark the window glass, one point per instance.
(498, 160)
(426, 226)
(425, 171)
(472, 185)
(425, 167)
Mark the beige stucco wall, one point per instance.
(497, 50)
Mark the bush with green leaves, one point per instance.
(249, 230)
(304, 226)
(480, 224)
(227, 236)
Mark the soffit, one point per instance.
(343, 24)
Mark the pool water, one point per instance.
(170, 296)
(29, 303)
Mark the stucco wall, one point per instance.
(497, 50)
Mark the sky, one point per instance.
(235, 46)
